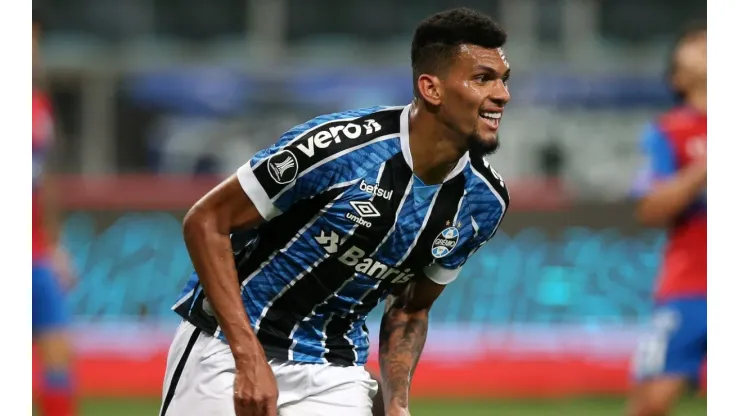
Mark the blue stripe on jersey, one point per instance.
(337, 306)
(360, 341)
(305, 252)
(407, 227)
(306, 334)
(291, 262)
(486, 208)
(422, 191)
(348, 299)
(186, 295)
(307, 339)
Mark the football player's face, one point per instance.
(691, 61)
(475, 93)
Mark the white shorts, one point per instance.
(199, 380)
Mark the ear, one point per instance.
(430, 89)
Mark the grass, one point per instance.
(592, 406)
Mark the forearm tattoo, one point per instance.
(402, 337)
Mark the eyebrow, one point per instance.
(487, 68)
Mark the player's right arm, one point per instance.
(669, 190)
(206, 228)
(265, 187)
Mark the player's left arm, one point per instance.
(403, 332)
(403, 328)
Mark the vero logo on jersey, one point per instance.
(335, 134)
(445, 242)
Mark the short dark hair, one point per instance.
(689, 31)
(438, 37)
(38, 18)
(39, 22)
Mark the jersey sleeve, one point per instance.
(278, 177)
(443, 274)
(660, 160)
(325, 152)
(446, 269)
(488, 201)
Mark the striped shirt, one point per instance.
(346, 220)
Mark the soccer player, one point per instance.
(670, 357)
(50, 269)
(293, 251)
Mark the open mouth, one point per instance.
(492, 119)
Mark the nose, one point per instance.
(500, 93)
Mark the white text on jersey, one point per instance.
(355, 257)
(375, 190)
(324, 138)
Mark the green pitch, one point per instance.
(581, 406)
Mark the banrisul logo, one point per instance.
(335, 134)
(356, 257)
(445, 242)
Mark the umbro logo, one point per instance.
(366, 209)
(363, 209)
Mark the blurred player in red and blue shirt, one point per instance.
(51, 274)
(670, 357)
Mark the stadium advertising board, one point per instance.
(554, 290)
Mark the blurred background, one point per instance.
(157, 100)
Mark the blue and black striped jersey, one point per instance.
(345, 221)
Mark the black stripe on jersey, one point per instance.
(326, 142)
(274, 235)
(318, 285)
(441, 216)
(340, 350)
(494, 179)
(444, 210)
(278, 232)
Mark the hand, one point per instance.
(255, 389)
(63, 269)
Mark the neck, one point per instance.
(697, 99)
(434, 148)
